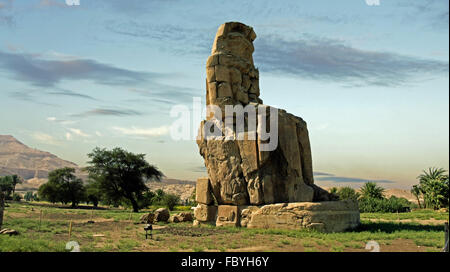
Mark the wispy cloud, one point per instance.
(48, 72)
(107, 112)
(194, 40)
(45, 138)
(61, 121)
(321, 176)
(167, 94)
(198, 169)
(62, 92)
(433, 13)
(144, 132)
(334, 61)
(6, 14)
(79, 132)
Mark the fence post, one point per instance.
(2, 208)
(446, 237)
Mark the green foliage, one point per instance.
(170, 201)
(16, 197)
(334, 190)
(93, 193)
(28, 196)
(121, 175)
(63, 186)
(347, 193)
(433, 187)
(384, 205)
(372, 190)
(6, 186)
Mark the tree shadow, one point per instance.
(390, 227)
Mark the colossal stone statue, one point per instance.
(242, 169)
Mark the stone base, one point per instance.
(328, 216)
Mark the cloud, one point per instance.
(193, 40)
(6, 15)
(61, 121)
(144, 132)
(433, 13)
(321, 176)
(52, 3)
(45, 138)
(107, 112)
(68, 136)
(199, 169)
(167, 94)
(44, 72)
(62, 92)
(79, 132)
(334, 61)
(135, 7)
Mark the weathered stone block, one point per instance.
(205, 213)
(222, 73)
(228, 215)
(212, 60)
(224, 90)
(211, 74)
(330, 216)
(203, 193)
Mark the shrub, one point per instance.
(16, 197)
(386, 205)
(347, 193)
(170, 201)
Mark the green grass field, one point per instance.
(116, 230)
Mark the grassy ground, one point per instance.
(119, 230)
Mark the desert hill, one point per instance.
(31, 164)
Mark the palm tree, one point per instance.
(415, 190)
(372, 190)
(433, 173)
(433, 185)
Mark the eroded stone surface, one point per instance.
(205, 213)
(328, 216)
(203, 192)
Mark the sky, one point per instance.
(369, 77)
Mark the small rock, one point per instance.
(162, 215)
(9, 232)
(147, 218)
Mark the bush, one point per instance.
(347, 193)
(170, 201)
(16, 197)
(386, 205)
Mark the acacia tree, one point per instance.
(63, 186)
(121, 175)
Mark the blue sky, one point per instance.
(371, 81)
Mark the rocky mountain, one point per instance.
(182, 188)
(34, 165)
(31, 164)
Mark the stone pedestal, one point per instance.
(328, 216)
